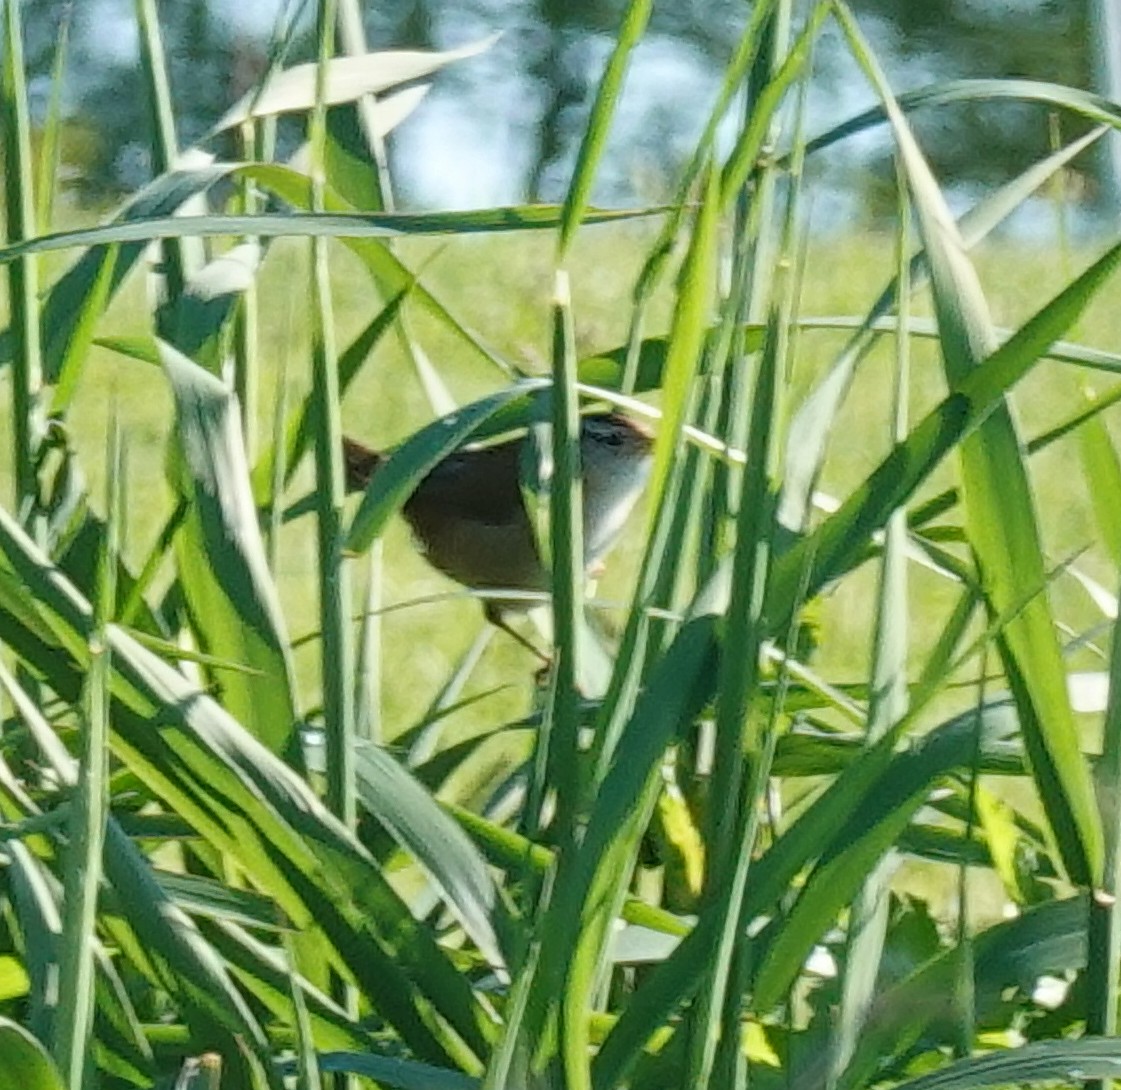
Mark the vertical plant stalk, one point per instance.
(352, 36)
(23, 273)
(1103, 973)
(773, 265)
(591, 881)
(744, 749)
(963, 1000)
(688, 334)
(334, 578)
(1105, 17)
(654, 266)
(566, 554)
(888, 700)
(368, 697)
(49, 157)
(89, 810)
(743, 754)
(750, 418)
(245, 341)
(164, 142)
(279, 466)
(594, 140)
(307, 1061)
(749, 178)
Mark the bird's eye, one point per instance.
(604, 432)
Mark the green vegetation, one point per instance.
(837, 796)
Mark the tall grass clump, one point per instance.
(832, 799)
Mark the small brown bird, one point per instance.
(470, 521)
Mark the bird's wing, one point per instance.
(475, 485)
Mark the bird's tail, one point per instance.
(361, 464)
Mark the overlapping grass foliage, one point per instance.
(676, 868)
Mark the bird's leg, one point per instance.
(496, 617)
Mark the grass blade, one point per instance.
(49, 157)
(23, 276)
(431, 837)
(1104, 953)
(307, 87)
(1000, 513)
(566, 555)
(592, 143)
(337, 657)
(888, 687)
(1044, 1061)
(179, 257)
(89, 811)
(811, 426)
(24, 1063)
(231, 594)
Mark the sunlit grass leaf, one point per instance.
(833, 546)
(1010, 956)
(813, 422)
(1043, 1061)
(347, 79)
(24, 1062)
(224, 572)
(563, 544)
(1090, 106)
(13, 978)
(1000, 512)
(89, 310)
(1103, 468)
(594, 138)
(1091, 358)
(341, 225)
(391, 794)
(691, 320)
(67, 304)
(343, 169)
(251, 806)
(193, 322)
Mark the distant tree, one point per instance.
(555, 48)
(1045, 40)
